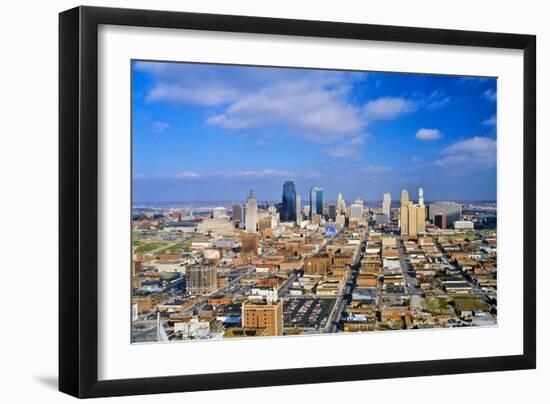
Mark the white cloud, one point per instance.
(490, 95)
(428, 134)
(473, 145)
(436, 100)
(349, 148)
(180, 94)
(227, 122)
(187, 174)
(303, 108)
(160, 126)
(312, 105)
(376, 170)
(491, 121)
(470, 154)
(388, 108)
(237, 174)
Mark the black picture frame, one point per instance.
(78, 195)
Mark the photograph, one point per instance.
(246, 201)
(286, 201)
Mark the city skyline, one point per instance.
(306, 199)
(211, 133)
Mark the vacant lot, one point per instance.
(470, 303)
(148, 247)
(437, 304)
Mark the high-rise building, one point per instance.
(288, 208)
(421, 196)
(412, 220)
(317, 264)
(464, 225)
(340, 204)
(265, 222)
(315, 201)
(242, 220)
(421, 218)
(404, 198)
(251, 213)
(261, 314)
(200, 279)
(451, 210)
(236, 213)
(325, 209)
(250, 242)
(219, 212)
(440, 220)
(340, 220)
(386, 205)
(298, 209)
(356, 211)
(332, 212)
(272, 210)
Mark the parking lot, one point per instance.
(307, 313)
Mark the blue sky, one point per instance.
(206, 132)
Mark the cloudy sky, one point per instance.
(212, 132)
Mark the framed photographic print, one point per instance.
(251, 201)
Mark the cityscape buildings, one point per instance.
(404, 199)
(251, 213)
(288, 208)
(412, 220)
(440, 220)
(299, 212)
(250, 242)
(242, 222)
(356, 210)
(236, 213)
(219, 212)
(332, 212)
(340, 204)
(386, 205)
(263, 315)
(412, 217)
(451, 210)
(373, 205)
(200, 279)
(315, 201)
(208, 276)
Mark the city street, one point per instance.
(408, 274)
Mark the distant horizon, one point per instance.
(260, 201)
(203, 132)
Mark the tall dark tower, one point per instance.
(288, 209)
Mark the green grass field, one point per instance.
(437, 303)
(148, 247)
(173, 249)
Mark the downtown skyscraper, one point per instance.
(315, 201)
(288, 208)
(386, 205)
(251, 213)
